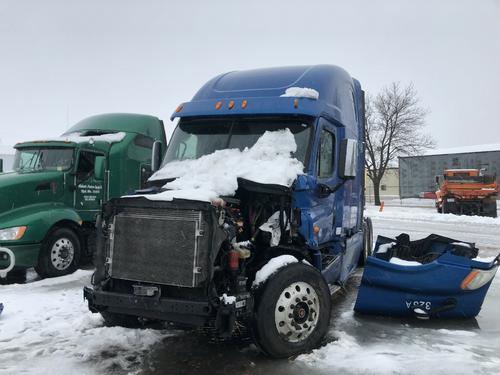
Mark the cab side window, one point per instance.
(85, 164)
(324, 161)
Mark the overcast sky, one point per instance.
(61, 61)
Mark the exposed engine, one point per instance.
(257, 221)
(206, 252)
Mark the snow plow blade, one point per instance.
(435, 277)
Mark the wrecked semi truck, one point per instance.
(231, 231)
(49, 203)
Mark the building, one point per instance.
(7, 156)
(389, 186)
(417, 174)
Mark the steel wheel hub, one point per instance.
(297, 312)
(62, 254)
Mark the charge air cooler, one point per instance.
(167, 246)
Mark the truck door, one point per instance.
(323, 210)
(88, 190)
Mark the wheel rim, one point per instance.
(297, 312)
(62, 254)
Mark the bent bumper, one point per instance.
(195, 313)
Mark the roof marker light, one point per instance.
(218, 105)
(296, 103)
(244, 104)
(231, 104)
(179, 108)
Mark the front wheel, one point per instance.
(60, 253)
(490, 208)
(293, 311)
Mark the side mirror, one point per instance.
(99, 165)
(156, 156)
(348, 158)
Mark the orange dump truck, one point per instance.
(467, 192)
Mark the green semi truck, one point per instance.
(49, 203)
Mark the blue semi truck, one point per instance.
(207, 263)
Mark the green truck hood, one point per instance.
(22, 189)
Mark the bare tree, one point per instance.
(394, 127)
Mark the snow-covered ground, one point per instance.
(368, 345)
(46, 327)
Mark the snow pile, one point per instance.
(402, 262)
(382, 249)
(269, 161)
(484, 259)
(301, 92)
(412, 214)
(399, 349)
(272, 267)
(78, 138)
(228, 300)
(47, 327)
(465, 149)
(272, 225)
(463, 244)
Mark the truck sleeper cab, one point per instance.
(210, 263)
(50, 201)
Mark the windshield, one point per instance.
(43, 159)
(194, 138)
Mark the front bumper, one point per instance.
(195, 313)
(8, 256)
(25, 255)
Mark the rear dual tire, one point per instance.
(367, 241)
(449, 207)
(490, 208)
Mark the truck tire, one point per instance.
(490, 208)
(449, 207)
(59, 254)
(367, 241)
(15, 276)
(121, 320)
(292, 312)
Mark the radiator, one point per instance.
(164, 246)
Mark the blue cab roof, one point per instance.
(262, 90)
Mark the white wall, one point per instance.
(7, 155)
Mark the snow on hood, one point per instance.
(301, 92)
(78, 138)
(269, 161)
